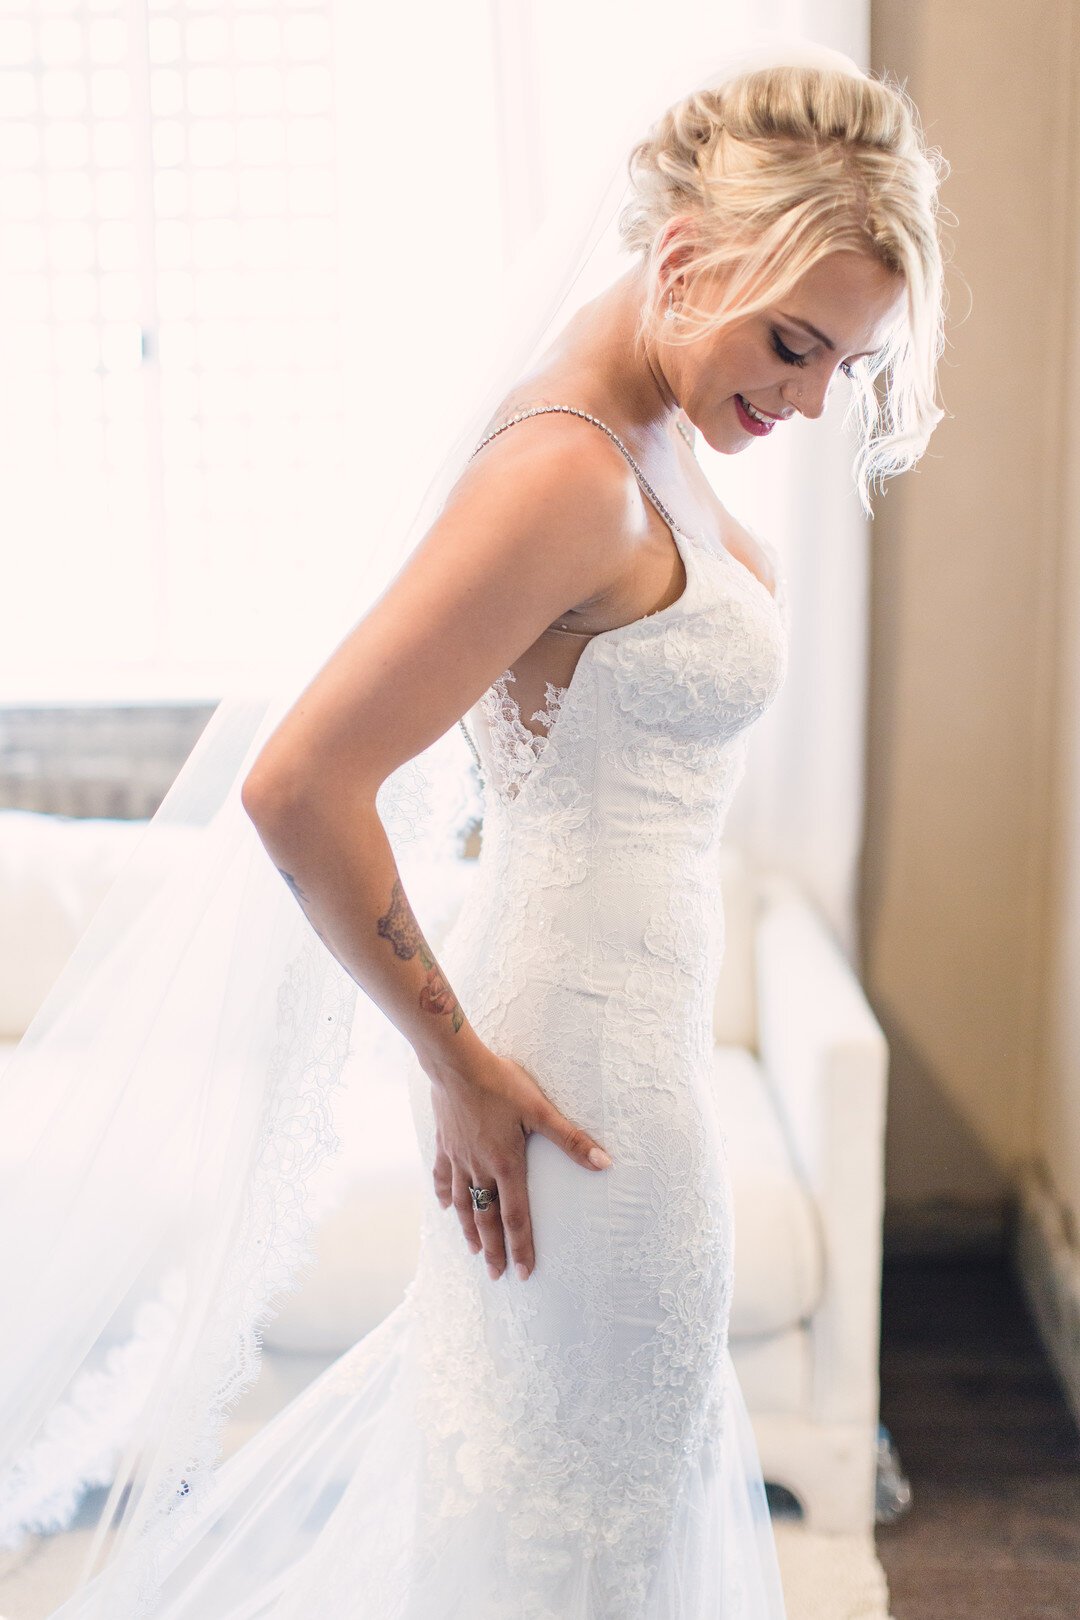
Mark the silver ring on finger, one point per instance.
(483, 1197)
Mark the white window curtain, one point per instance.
(211, 291)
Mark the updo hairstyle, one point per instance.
(769, 171)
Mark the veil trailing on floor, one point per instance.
(168, 1106)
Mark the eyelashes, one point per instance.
(792, 359)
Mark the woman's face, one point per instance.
(773, 359)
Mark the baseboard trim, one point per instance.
(1047, 1265)
(943, 1228)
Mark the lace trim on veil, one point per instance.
(83, 1442)
(316, 1004)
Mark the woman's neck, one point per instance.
(600, 350)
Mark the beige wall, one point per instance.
(971, 879)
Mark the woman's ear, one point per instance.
(677, 241)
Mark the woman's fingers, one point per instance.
(574, 1141)
(462, 1201)
(442, 1175)
(485, 1120)
(505, 1225)
(503, 1230)
(489, 1225)
(516, 1224)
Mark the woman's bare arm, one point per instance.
(509, 553)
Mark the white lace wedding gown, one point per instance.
(575, 1446)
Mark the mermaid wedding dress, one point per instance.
(574, 1446)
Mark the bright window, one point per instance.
(204, 213)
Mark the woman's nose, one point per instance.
(810, 398)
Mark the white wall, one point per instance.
(971, 891)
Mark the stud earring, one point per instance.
(669, 313)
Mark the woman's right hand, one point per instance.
(482, 1121)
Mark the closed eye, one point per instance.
(793, 359)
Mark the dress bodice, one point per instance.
(646, 742)
(600, 851)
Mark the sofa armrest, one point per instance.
(825, 1058)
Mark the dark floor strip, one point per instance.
(988, 1443)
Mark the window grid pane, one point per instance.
(172, 415)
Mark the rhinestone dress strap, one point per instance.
(572, 410)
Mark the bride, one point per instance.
(549, 1426)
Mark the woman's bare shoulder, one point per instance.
(554, 427)
(557, 466)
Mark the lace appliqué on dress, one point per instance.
(515, 748)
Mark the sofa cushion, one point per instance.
(779, 1259)
(366, 1205)
(54, 873)
(735, 1001)
(775, 1369)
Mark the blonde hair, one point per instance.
(772, 170)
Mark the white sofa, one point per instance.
(800, 1066)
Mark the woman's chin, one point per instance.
(723, 432)
(726, 444)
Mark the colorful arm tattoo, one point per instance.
(400, 927)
